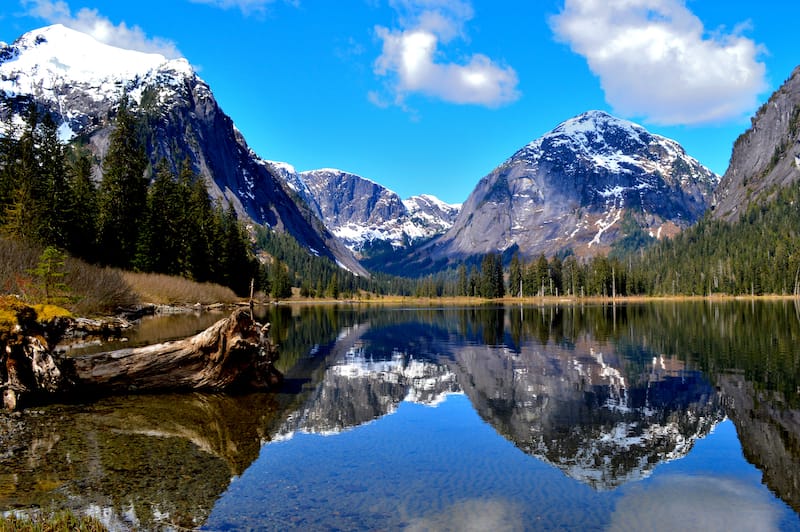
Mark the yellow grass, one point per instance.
(167, 290)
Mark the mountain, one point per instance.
(766, 157)
(572, 188)
(80, 81)
(365, 215)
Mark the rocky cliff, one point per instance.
(571, 188)
(766, 157)
(365, 215)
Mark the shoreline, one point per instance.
(547, 300)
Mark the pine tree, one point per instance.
(515, 276)
(81, 222)
(19, 220)
(281, 285)
(203, 231)
(52, 191)
(160, 247)
(123, 191)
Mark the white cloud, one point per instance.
(90, 21)
(655, 60)
(410, 57)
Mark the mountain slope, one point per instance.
(80, 81)
(365, 215)
(570, 189)
(766, 157)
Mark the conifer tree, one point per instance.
(81, 223)
(52, 191)
(123, 191)
(20, 210)
(203, 231)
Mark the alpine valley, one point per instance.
(578, 190)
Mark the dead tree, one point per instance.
(234, 354)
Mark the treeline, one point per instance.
(758, 254)
(136, 218)
(318, 277)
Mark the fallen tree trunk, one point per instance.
(234, 354)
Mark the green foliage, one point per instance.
(50, 273)
(281, 285)
(48, 198)
(758, 254)
(123, 191)
(634, 238)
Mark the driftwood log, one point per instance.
(234, 354)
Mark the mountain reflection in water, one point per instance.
(604, 394)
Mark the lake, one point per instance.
(657, 416)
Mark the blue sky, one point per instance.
(428, 96)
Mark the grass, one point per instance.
(91, 290)
(60, 521)
(167, 290)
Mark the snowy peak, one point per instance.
(79, 81)
(41, 61)
(571, 189)
(364, 214)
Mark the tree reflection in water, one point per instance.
(603, 393)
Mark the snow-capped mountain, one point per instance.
(572, 187)
(365, 214)
(80, 81)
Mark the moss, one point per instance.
(48, 312)
(14, 311)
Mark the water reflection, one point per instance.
(605, 395)
(138, 462)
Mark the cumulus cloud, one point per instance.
(410, 58)
(90, 21)
(655, 60)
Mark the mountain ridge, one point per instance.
(183, 117)
(568, 190)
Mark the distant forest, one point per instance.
(152, 219)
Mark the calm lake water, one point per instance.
(640, 417)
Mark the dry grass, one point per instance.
(89, 289)
(63, 520)
(166, 290)
(93, 290)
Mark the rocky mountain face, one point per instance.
(79, 81)
(766, 157)
(364, 214)
(572, 188)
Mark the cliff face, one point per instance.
(79, 82)
(571, 188)
(766, 157)
(365, 216)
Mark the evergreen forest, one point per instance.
(157, 218)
